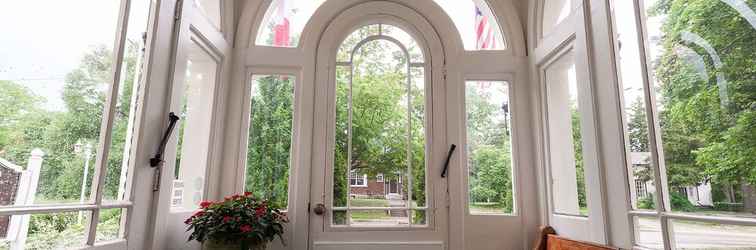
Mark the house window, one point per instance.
(476, 23)
(640, 189)
(68, 106)
(565, 136)
(379, 178)
(489, 148)
(687, 102)
(269, 139)
(357, 180)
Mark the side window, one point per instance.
(565, 142)
(489, 148)
(269, 138)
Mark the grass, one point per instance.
(369, 203)
(488, 208)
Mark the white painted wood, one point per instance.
(191, 28)
(377, 245)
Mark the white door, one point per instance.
(187, 176)
(379, 109)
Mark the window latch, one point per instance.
(158, 159)
(448, 158)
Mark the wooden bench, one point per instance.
(549, 240)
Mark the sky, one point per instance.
(43, 40)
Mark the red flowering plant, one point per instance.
(239, 219)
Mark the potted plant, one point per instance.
(239, 222)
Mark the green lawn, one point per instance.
(487, 208)
(369, 215)
(369, 203)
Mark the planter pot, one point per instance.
(215, 245)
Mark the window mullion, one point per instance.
(655, 142)
(106, 133)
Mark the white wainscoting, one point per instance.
(419, 245)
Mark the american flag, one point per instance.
(485, 33)
(282, 25)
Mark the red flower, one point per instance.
(188, 220)
(198, 213)
(245, 228)
(226, 219)
(236, 196)
(260, 211)
(247, 193)
(205, 204)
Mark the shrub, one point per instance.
(647, 203)
(680, 203)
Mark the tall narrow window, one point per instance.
(54, 97)
(567, 172)
(269, 143)
(195, 128)
(701, 98)
(380, 128)
(489, 148)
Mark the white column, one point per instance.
(27, 190)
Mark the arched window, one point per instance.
(380, 128)
(284, 21)
(476, 24)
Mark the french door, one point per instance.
(200, 66)
(379, 114)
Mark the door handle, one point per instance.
(319, 209)
(172, 119)
(446, 163)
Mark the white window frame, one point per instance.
(663, 212)
(95, 204)
(379, 177)
(354, 176)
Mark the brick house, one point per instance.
(378, 186)
(10, 175)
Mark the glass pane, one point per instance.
(341, 146)
(567, 168)
(339, 218)
(380, 131)
(269, 144)
(414, 50)
(46, 231)
(52, 94)
(704, 235)
(419, 217)
(476, 24)
(379, 218)
(127, 101)
(284, 21)
(636, 120)
(211, 9)
(648, 233)
(108, 228)
(554, 12)
(194, 128)
(347, 46)
(489, 147)
(704, 82)
(419, 178)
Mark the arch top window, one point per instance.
(476, 24)
(284, 22)
(406, 47)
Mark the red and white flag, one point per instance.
(485, 33)
(282, 24)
